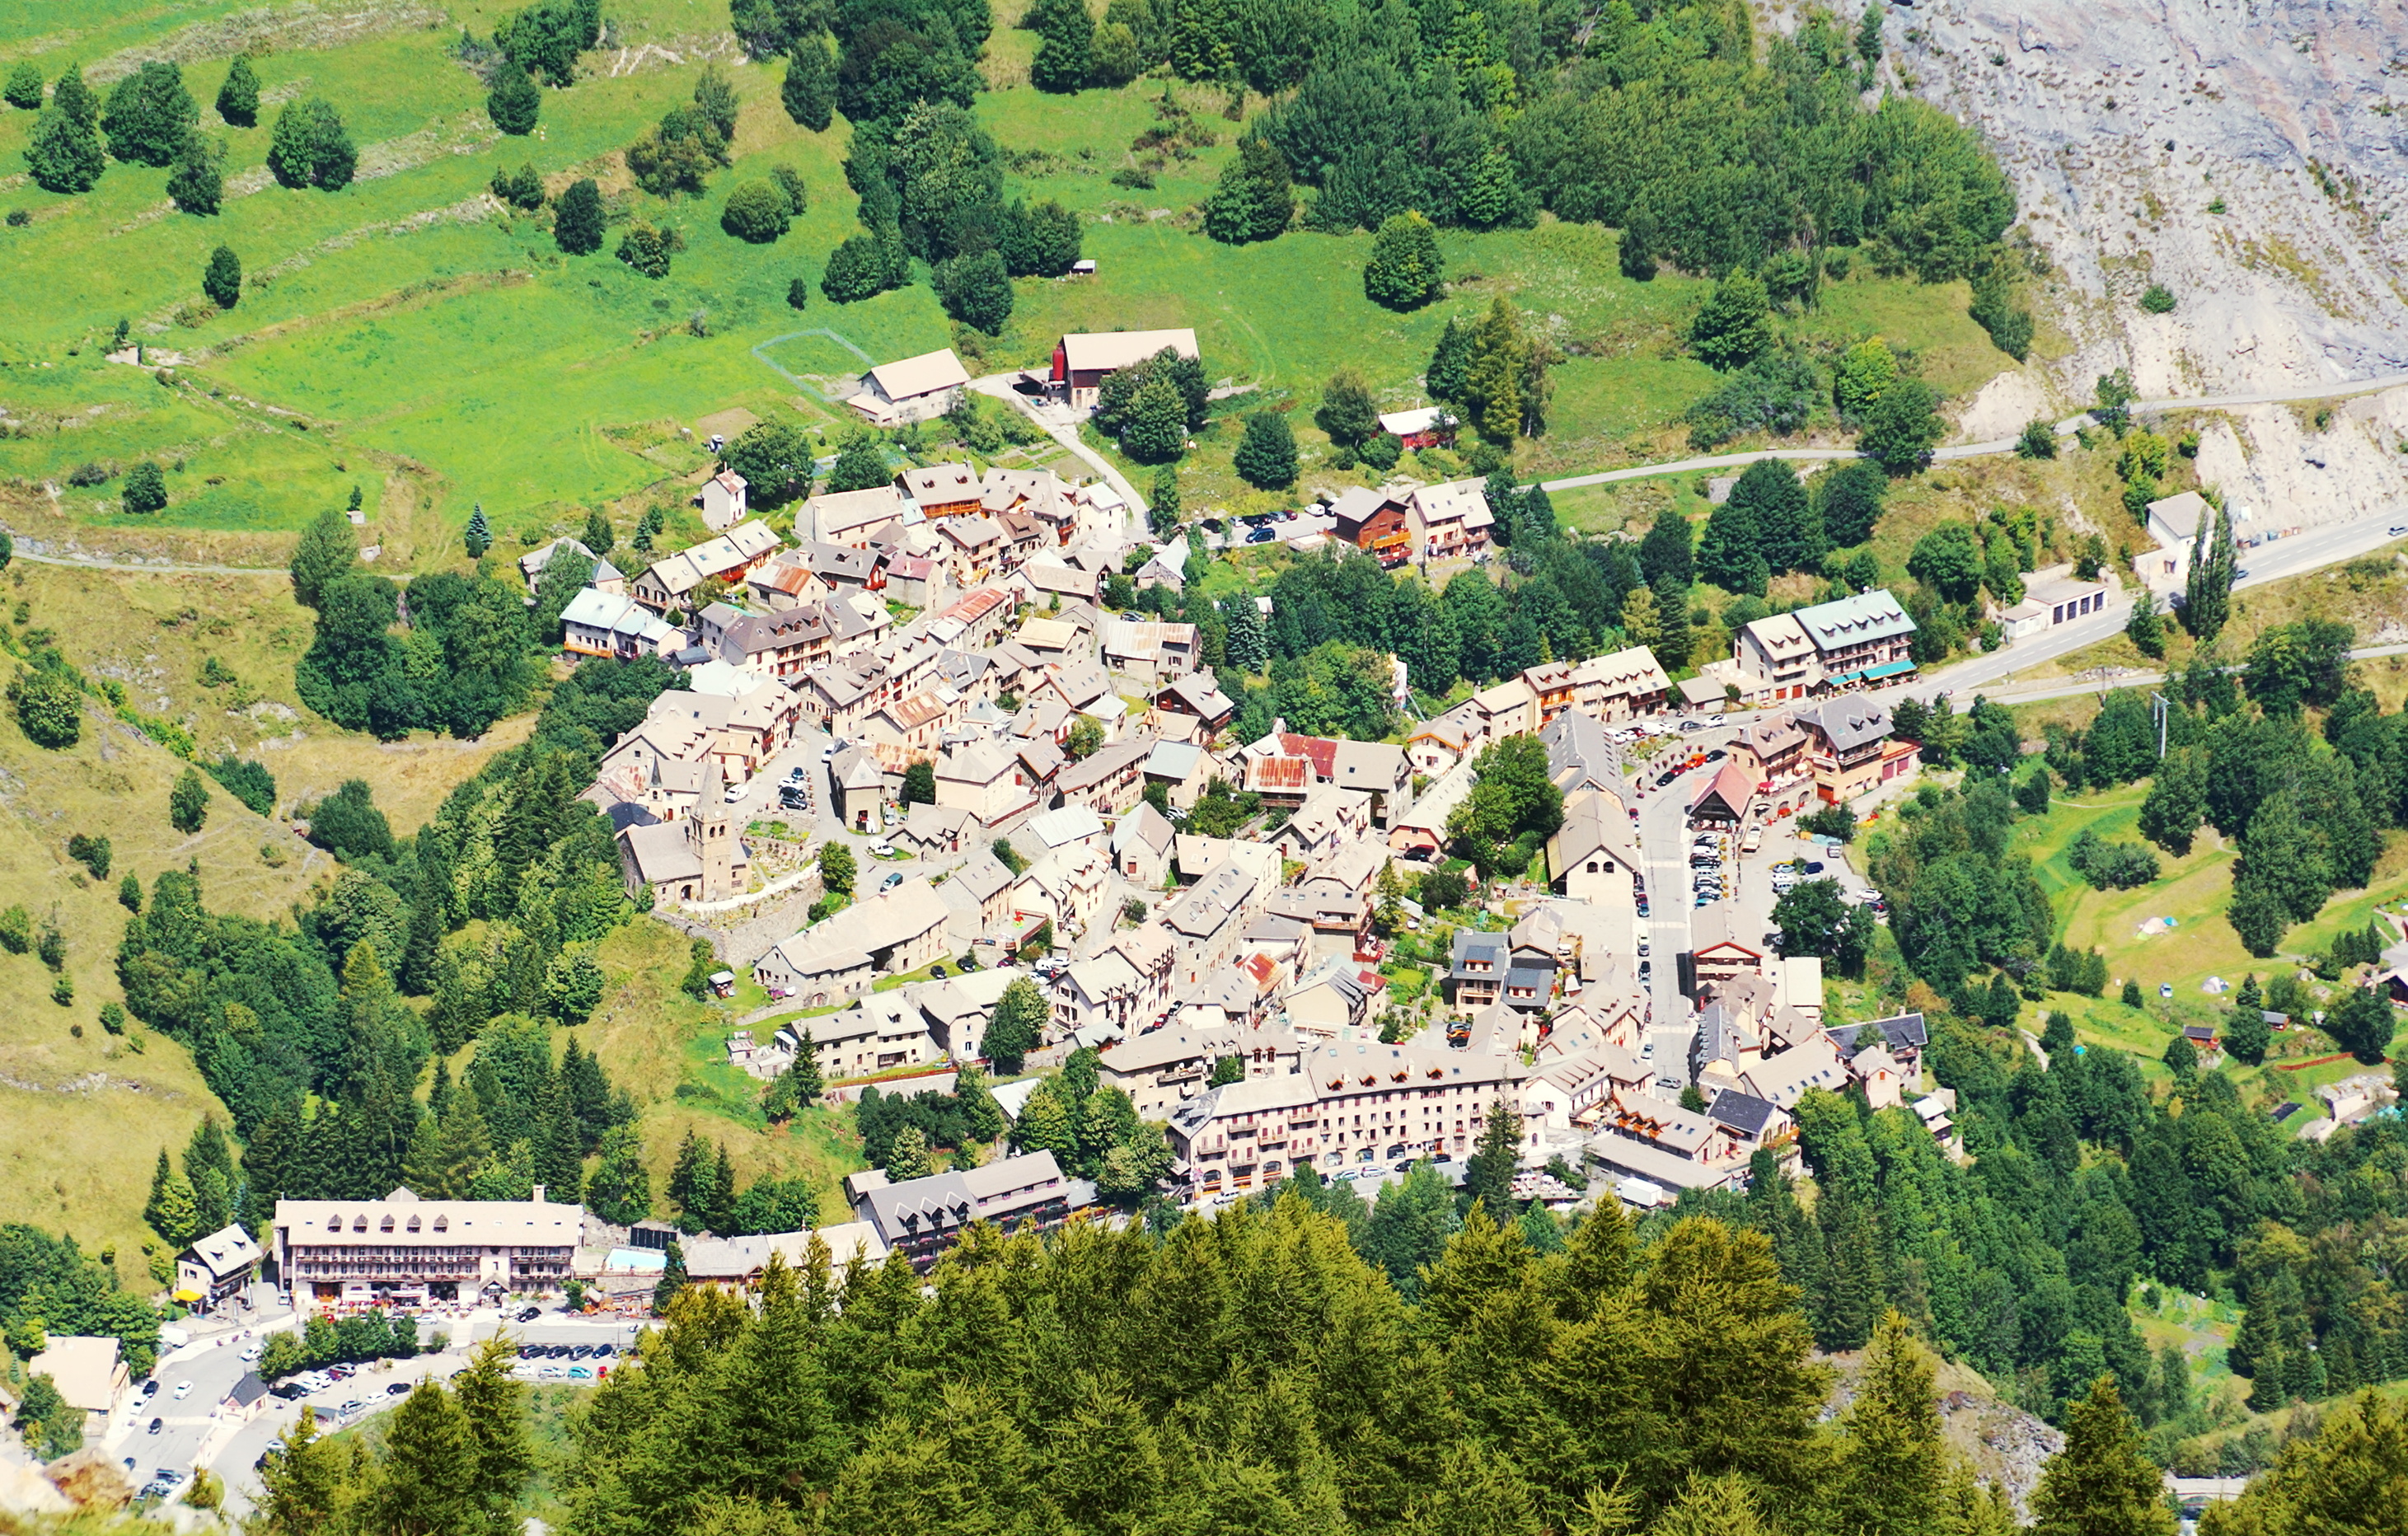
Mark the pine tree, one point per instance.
(2101, 1483)
(909, 1159)
(238, 97)
(25, 87)
(500, 1457)
(1448, 378)
(209, 1169)
(310, 147)
(65, 154)
(1893, 1459)
(172, 1211)
(480, 537)
(1248, 647)
(1066, 47)
(673, 1281)
(196, 185)
(515, 100)
(717, 1196)
(810, 88)
(688, 1177)
(1266, 456)
(1256, 197)
(222, 279)
(1492, 389)
(1489, 1178)
(578, 220)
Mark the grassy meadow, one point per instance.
(2194, 891)
(409, 335)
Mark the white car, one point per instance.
(735, 793)
(183, 1390)
(882, 850)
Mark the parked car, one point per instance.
(939, 971)
(881, 850)
(580, 1374)
(893, 879)
(1262, 536)
(149, 1389)
(398, 1389)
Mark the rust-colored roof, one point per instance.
(1277, 773)
(1320, 751)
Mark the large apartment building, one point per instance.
(1351, 1103)
(401, 1251)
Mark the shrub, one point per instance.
(146, 488)
(49, 704)
(1406, 269)
(856, 270)
(187, 803)
(798, 294)
(757, 212)
(2038, 439)
(2111, 866)
(2159, 300)
(647, 250)
(24, 88)
(247, 781)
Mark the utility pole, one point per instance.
(2159, 709)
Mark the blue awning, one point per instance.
(1888, 668)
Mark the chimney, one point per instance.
(537, 1196)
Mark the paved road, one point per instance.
(1061, 424)
(1664, 842)
(2065, 429)
(212, 1364)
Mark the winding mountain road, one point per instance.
(2066, 428)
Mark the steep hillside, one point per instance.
(83, 1114)
(2245, 158)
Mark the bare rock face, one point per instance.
(2124, 124)
(2244, 154)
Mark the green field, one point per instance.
(2194, 891)
(409, 335)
